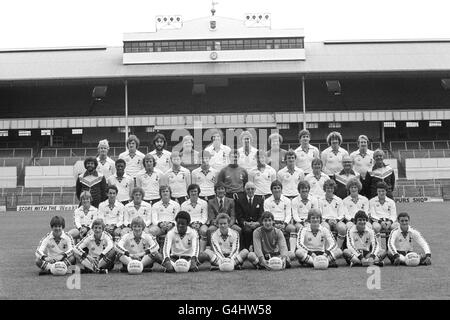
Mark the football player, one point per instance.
(150, 180)
(181, 243)
(301, 206)
(57, 245)
(198, 210)
(262, 175)
(138, 245)
(383, 211)
(106, 165)
(161, 155)
(314, 239)
(177, 178)
(111, 211)
(316, 178)
(354, 202)
(133, 158)
(332, 156)
(306, 153)
(122, 181)
(225, 244)
(362, 245)
(400, 242)
(83, 217)
(95, 252)
(137, 208)
(290, 176)
(163, 214)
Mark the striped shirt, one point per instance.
(358, 242)
(129, 244)
(399, 241)
(49, 247)
(322, 241)
(95, 247)
(176, 245)
(225, 246)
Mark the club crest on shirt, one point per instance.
(189, 242)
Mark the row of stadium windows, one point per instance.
(209, 45)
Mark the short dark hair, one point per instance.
(276, 183)
(192, 187)
(290, 152)
(111, 186)
(218, 185)
(57, 221)
(329, 183)
(361, 215)
(183, 215)
(121, 161)
(403, 214)
(91, 159)
(159, 136)
(267, 215)
(382, 185)
(303, 184)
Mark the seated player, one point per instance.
(354, 202)
(96, 251)
(383, 211)
(290, 176)
(163, 214)
(149, 180)
(302, 204)
(181, 243)
(225, 244)
(138, 245)
(83, 217)
(56, 246)
(198, 210)
(268, 242)
(111, 212)
(333, 212)
(205, 176)
(177, 178)
(316, 178)
(280, 207)
(137, 208)
(400, 242)
(362, 245)
(122, 181)
(314, 240)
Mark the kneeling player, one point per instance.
(225, 244)
(111, 211)
(181, 243)
(138, 245)
(198, 210)
(55, 246)
(314, 240)
(362, 245)
(268, 242)
(96, 251)
(383, 211)
(163, 214)
(400, 242)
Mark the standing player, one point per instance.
(400, 242)
(122, 181)
(83, 217)
(225, 244)
(314, 240)
(55, 246)
(138, 245)
(332, 156)
(344, 176)
(268, 242)
(276, 156)
(233, 177)
(219, 152)
(280, 207)
(205, 177)
(163, 213)
(161, 155)
(177, 178)
(247, 153)
(96, 251)
(111, 211)
(383, 211)
(133, 157)
(290, 176)
(105, 164)
(306, 153)
(301, 205)
(181, 243)
(362, 245)
(198, 211)
(354, 202)
(363, 162)
(91, 181)
(381, 172)
(137, 208)
(333, 212)
(150, 180)
(317, 178)
(262, 175)
(189, 156)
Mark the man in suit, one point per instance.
(249, 209)
(220, 204)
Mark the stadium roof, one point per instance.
(322, 58)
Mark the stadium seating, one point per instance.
(427, 168)
(49, 176)
(8, 177)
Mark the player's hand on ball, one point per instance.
(194, 266)
(427, 261)
(397, 261)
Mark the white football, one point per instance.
(226, 265)
(59, 268)
(181, 265)
(275, 263)
(135, 267)
(320, 262)
(412, 259)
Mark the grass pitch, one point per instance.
(20, 233)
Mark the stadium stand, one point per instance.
(8, 177)
(427, 168)
(49, 176)
(16, 153)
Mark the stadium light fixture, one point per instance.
(445, 83)
(334, 86)
(99, 92)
